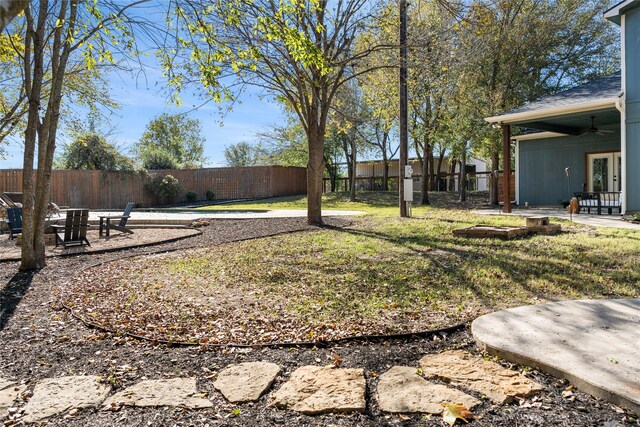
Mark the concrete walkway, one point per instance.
(613, 221)
(592, 343)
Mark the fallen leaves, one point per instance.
(567, 393)
(455, 412)
(189, 296)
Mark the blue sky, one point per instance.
(142, 99)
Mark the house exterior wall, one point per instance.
(542, 162)
(632, 107)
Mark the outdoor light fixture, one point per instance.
(567, 172)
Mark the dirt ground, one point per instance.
(39, 340)
(10, 250)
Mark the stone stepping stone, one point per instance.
(246, 382)
(402, 390)
(53, 396)
(497, 383)
(166, 392)
(9, 392)
(320, 390)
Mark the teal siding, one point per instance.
(541, 165)
(632, 91)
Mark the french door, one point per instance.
(603, 172)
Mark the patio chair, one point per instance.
(9, 199)
(105, 221)
(74, 230)
(14, 221)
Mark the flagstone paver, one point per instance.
(497, 383)
(246, 382)
(9, 392)
(402, 390)
(319, 390)
(53, 396)
(166, 392)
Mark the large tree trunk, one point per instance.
(426, 182)
(36, 188)
(433, 174)
(493, 179)
(32, 239)
(332, 172)
(385, 162)
(452, 181)
(385, 173)
(463, 177)
(352, 193)
(315, 169)
(426, 172)
(439, 168)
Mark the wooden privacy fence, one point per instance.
(112, 190)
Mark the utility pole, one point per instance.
(404, 110)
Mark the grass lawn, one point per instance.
(381, 274)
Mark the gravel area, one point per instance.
(39, 340)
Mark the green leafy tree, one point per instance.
(241, 154)
(345, 128)
(434, 59)
(156, 158)
(163, 189)
(91, 151)
(301, 52)
(515, 51)
(283, 144)
(171, 136)
(58, 38)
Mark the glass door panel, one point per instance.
(603, 170)
(599, 172)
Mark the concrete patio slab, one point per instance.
(592, 343)
(612, 221)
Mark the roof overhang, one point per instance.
(537, 135)
(526, 116)
(616, 11)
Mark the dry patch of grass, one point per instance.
(382, 275)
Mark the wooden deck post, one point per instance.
(506, 158)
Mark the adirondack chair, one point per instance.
(105, 221)
(74, 230)
(8, 200)
(14, 221)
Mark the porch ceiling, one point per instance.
(573, 124)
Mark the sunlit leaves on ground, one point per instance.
(380, 275)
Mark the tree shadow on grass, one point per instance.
(11, 295)
(522, 270)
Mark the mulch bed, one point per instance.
(10, 251)
(40, 340)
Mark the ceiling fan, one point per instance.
(594, 130)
